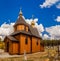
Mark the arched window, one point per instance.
(26, 40)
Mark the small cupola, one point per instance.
(20, 23)
(33, 23)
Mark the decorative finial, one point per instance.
(20, 13)
(33, 23)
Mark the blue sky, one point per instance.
(46, 11)
(9, 9)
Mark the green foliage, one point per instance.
(1, 45)
(50, 42)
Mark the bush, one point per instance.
(1, 45)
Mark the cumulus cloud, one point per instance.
(54, 32)
(6, 29)
(40, 27)
(45, 36)
(48, 3)
(58, 6)
(30, 20)
(57, 19)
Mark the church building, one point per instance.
(24, 38)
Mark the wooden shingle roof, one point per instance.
(19, 32)
(34, 31)
(11, 38)
(21, 20)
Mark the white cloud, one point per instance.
(45, 36)
(6, 29)
(12, 24)
(30, 20)
(58, 19)
(40, 28)
(54, 32)
(48, 3)
(58, 6)
(40, 35)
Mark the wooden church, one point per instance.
(24, 38)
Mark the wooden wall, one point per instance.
(26, 28)
(9, 47)
(35, 47)
(23, 46)
(15, 48)
(21, 27)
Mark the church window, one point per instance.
(37, 42)
(26, 40)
